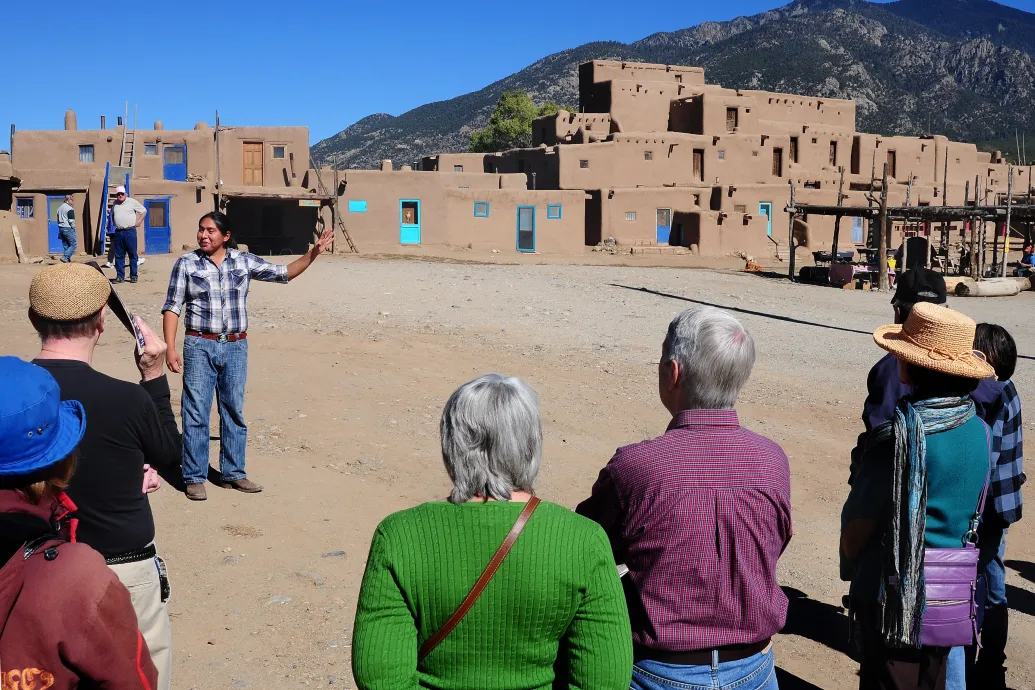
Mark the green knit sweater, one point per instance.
(556, 598)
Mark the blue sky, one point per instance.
(319, 63)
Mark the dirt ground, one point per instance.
(351, 364)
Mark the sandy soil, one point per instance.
(351, 364)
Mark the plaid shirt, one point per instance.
(1004, 486)
(700, 516)
(216, 297)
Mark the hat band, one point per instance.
(939, 355)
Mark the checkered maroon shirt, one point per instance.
(700, 516)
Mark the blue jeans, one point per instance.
(125, 242)
(210, 366)
(68, 241)
(756, 672)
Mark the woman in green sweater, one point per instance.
(553, 615)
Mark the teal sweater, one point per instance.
(556, 598)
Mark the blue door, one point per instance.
(409, 221)
(526, 228)
(157, 235)
(766, 209)
(174, 163)
(53, 239)
(664, 225)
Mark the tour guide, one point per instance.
(212, 283)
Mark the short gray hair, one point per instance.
(715, 354)
(492, 438)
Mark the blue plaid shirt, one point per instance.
(216, 297)
(1004, 486)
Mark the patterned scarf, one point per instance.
(902, 597)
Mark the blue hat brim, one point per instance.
(71, 427)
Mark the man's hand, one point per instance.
(151, 361)
(326, 237)
(152, 482)
(173, 361)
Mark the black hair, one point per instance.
(222, 223)
(999, 348)
(928, 383)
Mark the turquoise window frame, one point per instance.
(485, 213)
(554, 211)
(357, 206)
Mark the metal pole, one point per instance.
(1009, 209)
(790, 235)
(882, 228)
(219, 177)
(837, 220)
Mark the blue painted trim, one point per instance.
(173, 172)
(551, 209)
(53, 238)
(157, 240)
(357, 206)
(486, 212)
(415, 226)
(768, 215)
(517, 231)
(31, 207)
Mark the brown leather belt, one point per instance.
(701, 657)
(221, 337)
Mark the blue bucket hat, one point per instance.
(37, 429)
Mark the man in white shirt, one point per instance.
(127, 215)
(66, 229)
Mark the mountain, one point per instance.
(964, 68)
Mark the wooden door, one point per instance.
(892, 159)
(794, 149)
(833, 154)
(777, 162)
(731, 119)
(699, 164)
(253, 163)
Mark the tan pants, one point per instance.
(145, 591)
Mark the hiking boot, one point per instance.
(115, 281)
(196, 492)
(132, 280)
(245, 485)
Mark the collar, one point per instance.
(231, 254)
(704, 418)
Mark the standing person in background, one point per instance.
(700, 516)
(127, 215)
(211, 284)
(132, 431)
(66, 229)
(1003, 506)
(65, 619)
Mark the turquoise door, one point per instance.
(766, 209)
(526, 228)
(409, 221)
(664, 225)
(53, 238)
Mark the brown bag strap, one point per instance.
(483, 581)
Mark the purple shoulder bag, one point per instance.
(950, 586)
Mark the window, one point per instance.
(722, 155)
(458, 168)
(25, 207)
(740, 208)
(648, 155)
(357, 206)
(481, 209)
(583, 163)
(553, 211)
(278, 151)
(156, 214)
(86, 153)
(175, 155)
(150, 149)
(630, 215)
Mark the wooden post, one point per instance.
(334, 208)
(219, 177)
(837, 220)
(1009, 209)
(905, 238)
(790, 235)
(882, 227)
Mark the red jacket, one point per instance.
(65, 619)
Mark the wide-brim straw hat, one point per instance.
(936, 338)
(68, 292)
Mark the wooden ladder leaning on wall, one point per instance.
(337, 211)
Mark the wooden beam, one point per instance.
(1006, 235)
(18, 244)
(790, 236)
(882, 234)
(837, 220)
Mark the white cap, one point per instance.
(120, 190)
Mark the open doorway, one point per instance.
(271, 227)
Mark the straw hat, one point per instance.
(68, 292)
(936, 338)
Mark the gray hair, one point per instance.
(492, 438)
(715, 354)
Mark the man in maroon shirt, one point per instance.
(700, 517)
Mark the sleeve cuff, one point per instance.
(157, 388)
(168, 306)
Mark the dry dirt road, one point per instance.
(351, 364)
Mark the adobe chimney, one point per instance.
(70, 124)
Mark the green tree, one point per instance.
(510, 125)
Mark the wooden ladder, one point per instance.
(337, 211)
(129, 142)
